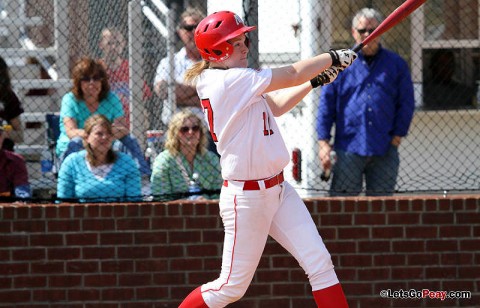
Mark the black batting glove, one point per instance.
(326, 77)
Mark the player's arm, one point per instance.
(283, 101)
(304, 70)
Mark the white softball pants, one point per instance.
(248, 218)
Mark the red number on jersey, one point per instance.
(266, 120)
(208, 107)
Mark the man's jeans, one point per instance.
(380, 173)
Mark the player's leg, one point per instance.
(294, 229)
(246, 217)
(347, 174)
(381, 173)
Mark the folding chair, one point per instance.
(52, 134)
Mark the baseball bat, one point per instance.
(393, 19)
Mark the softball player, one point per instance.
(255, 201)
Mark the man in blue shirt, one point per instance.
(371, 104)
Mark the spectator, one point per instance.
(91, 95)
(185, 94)
(371, 105)
(442, 91)
(98, 173)
(10, 109)
(13, 173)
(112, 44)
(185, 154)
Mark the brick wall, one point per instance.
(152, 255)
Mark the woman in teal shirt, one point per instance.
(98, 173)
(185, 154)
(91, 95)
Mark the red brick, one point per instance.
(202, 250)
(389, 259)
(83, 295)
(408, 273)
(402, 218)
(353, 233)
(107, 266)
(26, 282)
(81, 239)
(423, 259)
(443, 272)
(469, 272)
(369, 219)
(468, 218)
(16, 241)
(387, 232)
(186, 264)
(200, 222)
(437, 218)
(49, 295)
(355, 260)
(28, 226)
(373, 274)
(63, 253)
(336, 220)
(442, 245)
(47, 240)
(457, 258)
(151, 266)
(15, 296)
(64, 281)
(156, 237)
(102, 280)
(98, 253)
(116, 238)
(81, 267)
(28, 254)
(134, 252)
(184, 237)
(63, 225)
(167, 251)
(133, 224)
(50, 267)
(134, 279)
(168, 223)
(455, 231)
(98, 225)
(409, 246)
(421, 232)
(13, 269)
(117, 295)
(373, 246)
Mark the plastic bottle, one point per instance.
(46, 163)
(194, 188)
(150, 151)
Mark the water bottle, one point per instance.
(194, 188)
(154, 138)
(46, 163)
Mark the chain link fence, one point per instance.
(41, 40)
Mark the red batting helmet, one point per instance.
(213, 32)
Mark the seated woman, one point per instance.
(91, 95)
(185, 159)
(98, 173)
(13, 173)
(10, 110)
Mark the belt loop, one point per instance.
(261, 184)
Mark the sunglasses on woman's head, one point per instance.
(186, 129)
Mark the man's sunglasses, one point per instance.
(186, 129)
(189, 28)
(91, 78)
(364, 30)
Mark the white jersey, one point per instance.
(241, 123)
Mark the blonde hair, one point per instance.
(90, 123)
(194, 71)
(172, 144)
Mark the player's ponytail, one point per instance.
(194, 71)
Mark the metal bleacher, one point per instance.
(39, 93)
